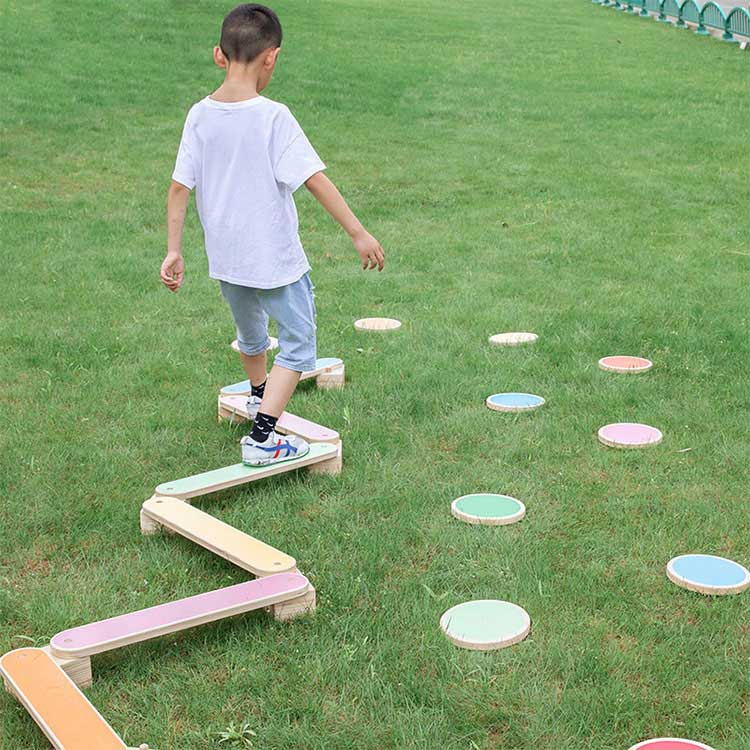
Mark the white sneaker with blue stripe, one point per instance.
(276, 449)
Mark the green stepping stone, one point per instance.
(485, 624)
(488, 508)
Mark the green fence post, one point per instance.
(680, 24)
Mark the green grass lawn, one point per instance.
(553, 167)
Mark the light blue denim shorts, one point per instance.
(291, 306)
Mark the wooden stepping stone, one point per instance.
(514, 338)
(485, 624)
(630, 365)
(182, 614)
(61, 710)
(629, 435)
(487, 508)
(330, 366)
(220, 538)
(234, 408)
(274, 344)
(708, 574)
(670, 743)
(377, 324)
(514, 402)
(236, 474)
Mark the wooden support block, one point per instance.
(332, 466)
(148, 525)
(293, 608)
(9, 689)
(231, 476)
(134, 627)
(323, 365)
(233, 411)
(60, 709)
(220, 538)
(332, 379)
(77, 668)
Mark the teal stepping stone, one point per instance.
(485, 624)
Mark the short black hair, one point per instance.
(249, 30)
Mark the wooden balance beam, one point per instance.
(329, 372)
(234, 409)
(61, 710)
(290, 589)
(209, 532)
(323, 458)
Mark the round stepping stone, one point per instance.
(487, 508)
(485, 624)
(513, 338)
(708, 574)
(274, 344)
(377, 324)
(632, 365)
(670, 743)
(514, 401)
(629, 435)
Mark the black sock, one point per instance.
(258, 390)
(262, 427)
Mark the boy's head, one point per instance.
(251, 33)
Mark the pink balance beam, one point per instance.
(287, 424)
(153, 622)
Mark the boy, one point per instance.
(246, 155)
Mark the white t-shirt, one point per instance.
(246, 159)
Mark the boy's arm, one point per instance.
(173, 268)
(328, 196)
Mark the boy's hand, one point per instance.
(172, 272)
(369, 250)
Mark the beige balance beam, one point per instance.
(209, 532)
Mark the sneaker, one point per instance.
(253, 404)
(276, 449)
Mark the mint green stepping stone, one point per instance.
(485, 624)
(230, 476)
(487, 508)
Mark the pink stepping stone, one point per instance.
(629, 435)
(621, 363)
(145, 624)
(670, 743)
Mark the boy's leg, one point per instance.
(293, 308)
(255, 368)
(252, 334)
(279, 389)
